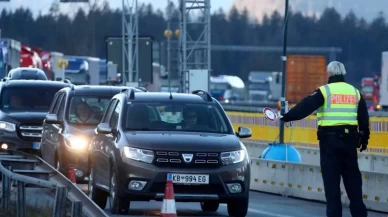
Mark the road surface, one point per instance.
(260, 205)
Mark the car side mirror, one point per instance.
(104, 128)
(244, 132)
(52, 119)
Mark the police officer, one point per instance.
(343, 126)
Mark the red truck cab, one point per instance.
(30, 58)
(367, 88)
(45, 57)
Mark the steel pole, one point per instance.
(123, 77)
(284, 64)
(169, 45)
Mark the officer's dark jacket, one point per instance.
(312, 102)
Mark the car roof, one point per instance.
(165, 97)
(25, 69)
(33, 83)
(96, 90)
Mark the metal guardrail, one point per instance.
(258, 107)
(30, 171)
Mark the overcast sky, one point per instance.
(44, 5)
(367, 9)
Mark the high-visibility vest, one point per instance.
(341, 104)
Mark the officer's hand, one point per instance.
(281, 117)
(363, 147)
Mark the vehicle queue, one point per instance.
(121, 141)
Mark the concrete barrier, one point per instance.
(310, 156)
(305, 181)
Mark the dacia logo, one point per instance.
(187, 157)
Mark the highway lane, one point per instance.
(260, 205)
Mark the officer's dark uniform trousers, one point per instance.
(338, 152)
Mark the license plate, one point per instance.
(189, 178)
(36, 145)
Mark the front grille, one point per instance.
(187, 159)
(31, 133)
(189, 189)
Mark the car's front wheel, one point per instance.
(99, 196)
(238, 208)
(118, 205)
(210, 206)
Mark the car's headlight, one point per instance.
(139, 154)
(10, 127)
(232, 157)
(75, 142)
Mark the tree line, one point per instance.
(362, 43)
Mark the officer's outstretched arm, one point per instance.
(307, 106)
(363, 117)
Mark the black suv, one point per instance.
(68, 128)
(144, 137)
(23, 106)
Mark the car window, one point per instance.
(115, 116)
(55, 100)
(27, 99)
(111, 107)
(87, 110)
(194, 117)
(62, 108)
(59, 102)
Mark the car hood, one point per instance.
(23, 117)
(183, 141)
(81, 130)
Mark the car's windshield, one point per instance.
(87, 110)
(367, 89)
(218, 86)
(258, 86)
(28, 74)
(27, 99)
(168, 116)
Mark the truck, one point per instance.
(376, 91)
(45, 57)
(227, 88)
(10, 55)
(383, 102)
(77, 70)
(30, 58)
(58, 72)
(103, 72)
(305, 73)
(259, 85)
(83, 70)
(367, 88)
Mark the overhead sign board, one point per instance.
(114, 54)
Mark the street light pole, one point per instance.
(168, 35)
(284, 64)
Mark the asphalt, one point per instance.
(260, 205)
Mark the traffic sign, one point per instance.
(269, 114)
(63, 63)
